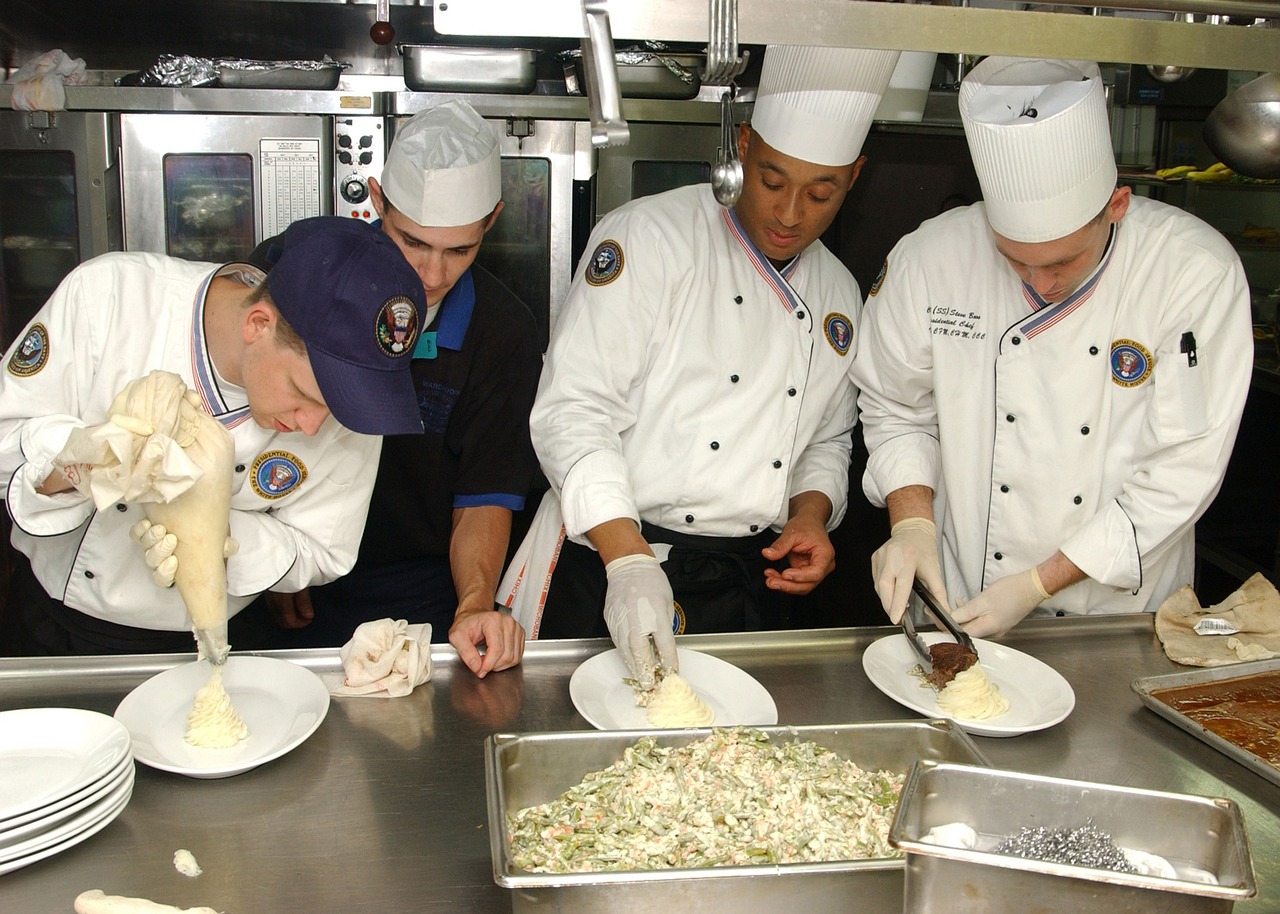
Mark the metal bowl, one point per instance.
(1244, 129)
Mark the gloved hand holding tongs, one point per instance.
(945, 659)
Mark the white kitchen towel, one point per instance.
(386, 658)
(524, 587)
(1253, 612)
(38, 83)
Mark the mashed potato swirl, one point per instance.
(213, 723)
(972, 696)
(674, 703)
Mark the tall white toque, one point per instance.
(444, 167)
(816, 104)
(1040, 139)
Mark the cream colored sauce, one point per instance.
(972, 696)
(674, 703)
(213, 722)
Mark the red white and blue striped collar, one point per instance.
(202, 363)
(775, 277)
(1048, 314)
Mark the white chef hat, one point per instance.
(1040, 139)
(816, 104)
(444, 166)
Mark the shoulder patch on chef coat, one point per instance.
(875, 286)
(606, 263)
(1131, 363)
(276, 474)
(32, 355)
(839, 331)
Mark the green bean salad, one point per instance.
(730, 798)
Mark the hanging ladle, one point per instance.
(726, 174)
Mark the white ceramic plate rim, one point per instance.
(84, 800)
(92, 742)
(49, 809)
(86, 819)
(1038, 695)
(156, 714)
(608, 703)
(109, 816)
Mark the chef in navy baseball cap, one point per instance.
(358, 306)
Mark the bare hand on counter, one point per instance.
(1002, 605)
(638, 608)
(501, 635)
(911, 552)
(290, 610)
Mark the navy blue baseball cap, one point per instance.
(359, 306)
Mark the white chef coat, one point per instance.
(697, 387)
(1080, 426)
(114, 319)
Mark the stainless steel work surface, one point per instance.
(383, 808)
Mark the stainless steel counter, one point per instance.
(382, 809)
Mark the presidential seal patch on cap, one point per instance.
(1131, 363)
(277, 473)
(839, 331)
(32, 355)
(606, 263)
(397, 326)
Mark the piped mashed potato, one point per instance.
(674, 703)
(972, 696)
(213, 722)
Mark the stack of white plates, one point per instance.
(65, 774)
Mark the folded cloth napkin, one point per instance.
(1253, 611)
(386, 658)
(39, 83)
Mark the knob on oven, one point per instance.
(354, 189)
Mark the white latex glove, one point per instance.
(638, 604)
(158, 545)
(159, 402)
(911, 552)
(1002, 605)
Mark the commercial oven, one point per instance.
(59, 204)
(209, 187)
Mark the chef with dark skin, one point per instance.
(694, 412)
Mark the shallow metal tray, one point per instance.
(1145, 685)
(283, 76)
(527, 769)
(1202, 832)
(449, 68)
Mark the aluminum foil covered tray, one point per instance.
(180, 71)
(524, 770)
(1196, 835)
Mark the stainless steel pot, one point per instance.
(1244, 129)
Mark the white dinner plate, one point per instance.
(12, 835)
(1038, 695)
(107, 816)
(280, 702)
(608, 703)
(47, 812)
(89, 817)
(47, 754)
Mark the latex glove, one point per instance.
(158, 545)
(911, 552)
(1002, 605)
(159, 402)
(638, 604)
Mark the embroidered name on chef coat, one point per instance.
(32, 355)
(276, 474)
(875, 286)
(839, 331)
(1131, 363)
(606, 263)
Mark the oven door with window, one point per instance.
(210, 187)
(59, 204)
(659, 157)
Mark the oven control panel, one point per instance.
(360, 151)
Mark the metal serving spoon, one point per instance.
(726, 174)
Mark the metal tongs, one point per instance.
(938, 612)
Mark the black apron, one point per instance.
(717, 582)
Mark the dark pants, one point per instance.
(417, 590)
(718, 584)
(37, 625)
